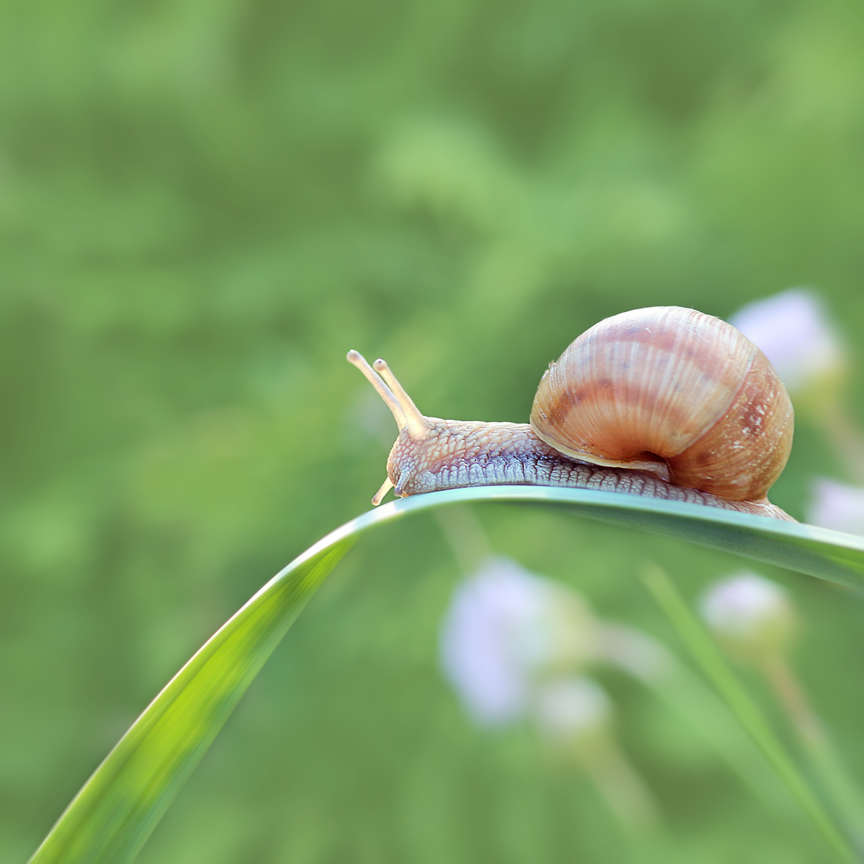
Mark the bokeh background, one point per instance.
(203, 204)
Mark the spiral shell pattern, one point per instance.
(672, 391)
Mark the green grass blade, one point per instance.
(820, 552)
(840, 786)
(714, 665)
(118, 807)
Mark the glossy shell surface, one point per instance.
(672, 391)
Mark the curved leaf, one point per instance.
(117, 808)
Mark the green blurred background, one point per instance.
(202, 206)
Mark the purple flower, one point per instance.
(750, 614)
(507, 631)
(505, 626)
(486, 639)
(794, 332)
(837, 505)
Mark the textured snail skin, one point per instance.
(455, 454)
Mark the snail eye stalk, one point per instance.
(401, 405)
(386, 384)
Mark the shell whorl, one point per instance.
(673, 391)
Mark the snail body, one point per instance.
(663, 401)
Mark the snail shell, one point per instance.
(672, 391)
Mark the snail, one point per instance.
(663, 401)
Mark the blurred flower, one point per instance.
(633, 651)
(751, 615)
(507, 630)
(574, 716)
(571, 708)
(836, 505)
(794, 332)
(504, 625)
(755, 620)
(510, 645)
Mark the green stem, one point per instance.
(813, 737)
(715, 667)
(623, 789)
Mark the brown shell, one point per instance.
(673, 391)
